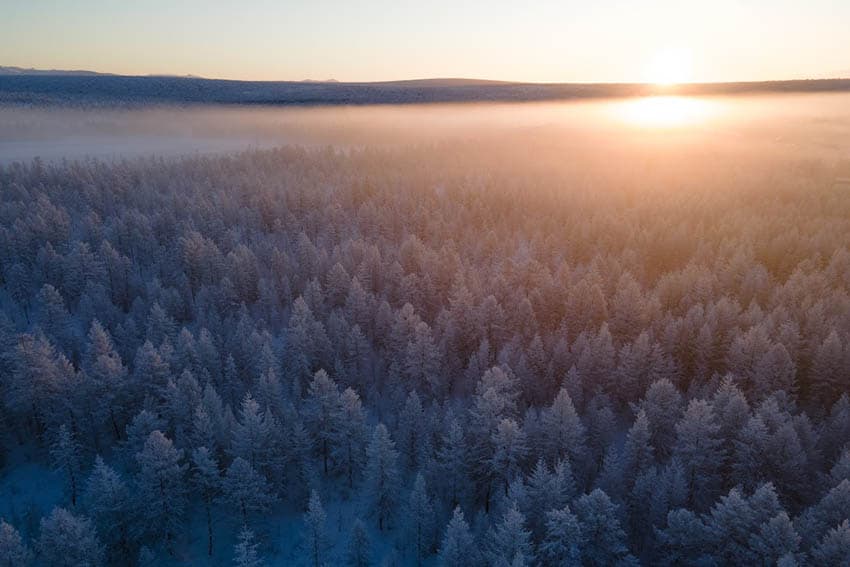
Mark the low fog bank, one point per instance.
(812, 126)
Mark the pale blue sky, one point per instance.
(543, 40)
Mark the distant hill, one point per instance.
(84, 88)
(6, 70)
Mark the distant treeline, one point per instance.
(114, 90)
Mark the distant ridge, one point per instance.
(82, 88)
(7, 70)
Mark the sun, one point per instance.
(670, 67)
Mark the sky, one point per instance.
(374, 40)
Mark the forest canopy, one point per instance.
(512, 351)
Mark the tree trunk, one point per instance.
(209, 530)
(114, 424)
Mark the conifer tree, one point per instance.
(107, 502)
(834, 548)
(359, 552)
(65, 453)
(662, 405)
(161, 492)
(510, 451)
(562, 543)
(245, 551)
(510, 539)
(350, 436)
(698, 447)
(382, 477)
(322, 408)
(419, 516)
(315, 532)
(66, 539)
(206, 479)
(245, 490)
(775, 539)
(458, 546)
(106, 372)
(453, 464)
(565, 435)
(13, 551)
(604, 541)
(253, 436)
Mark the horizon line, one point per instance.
(34, 71)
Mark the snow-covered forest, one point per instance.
(497, 352)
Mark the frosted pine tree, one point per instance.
(57, 322)
(315, 535)
(698, 447)
(350, 436)
(638, 454)
(565, 435)
(731, 521)
(662, 405)
(411, 432)
(66, 539)
(684, 540)
(458, 546)
(382, 476)
(561, 546)
(245, 551)
(421, 364)
(830, 511)
(510, 451)
(834, 548)
(544, 491)
(510, 539)
(749, 453)
(419, 516)
(320, 413)
(41, 381)
(495, 399)
(161, 492)
(253, 436)
(107, 502)
(138, 430)
(203, 431)
(150, 371)
(452, 464)
(604, 541)
(301, 474)
(65, 454)
(359, 552)
(828, 373)
(841, 469)
(246, 490)
(206, 478)
(106, 372)
(611, 477)
(13, 551)
(774, 539)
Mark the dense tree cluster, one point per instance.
(504, 356)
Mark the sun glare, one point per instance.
(664, 111)
(670, 67)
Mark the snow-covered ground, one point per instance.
(28, 490)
